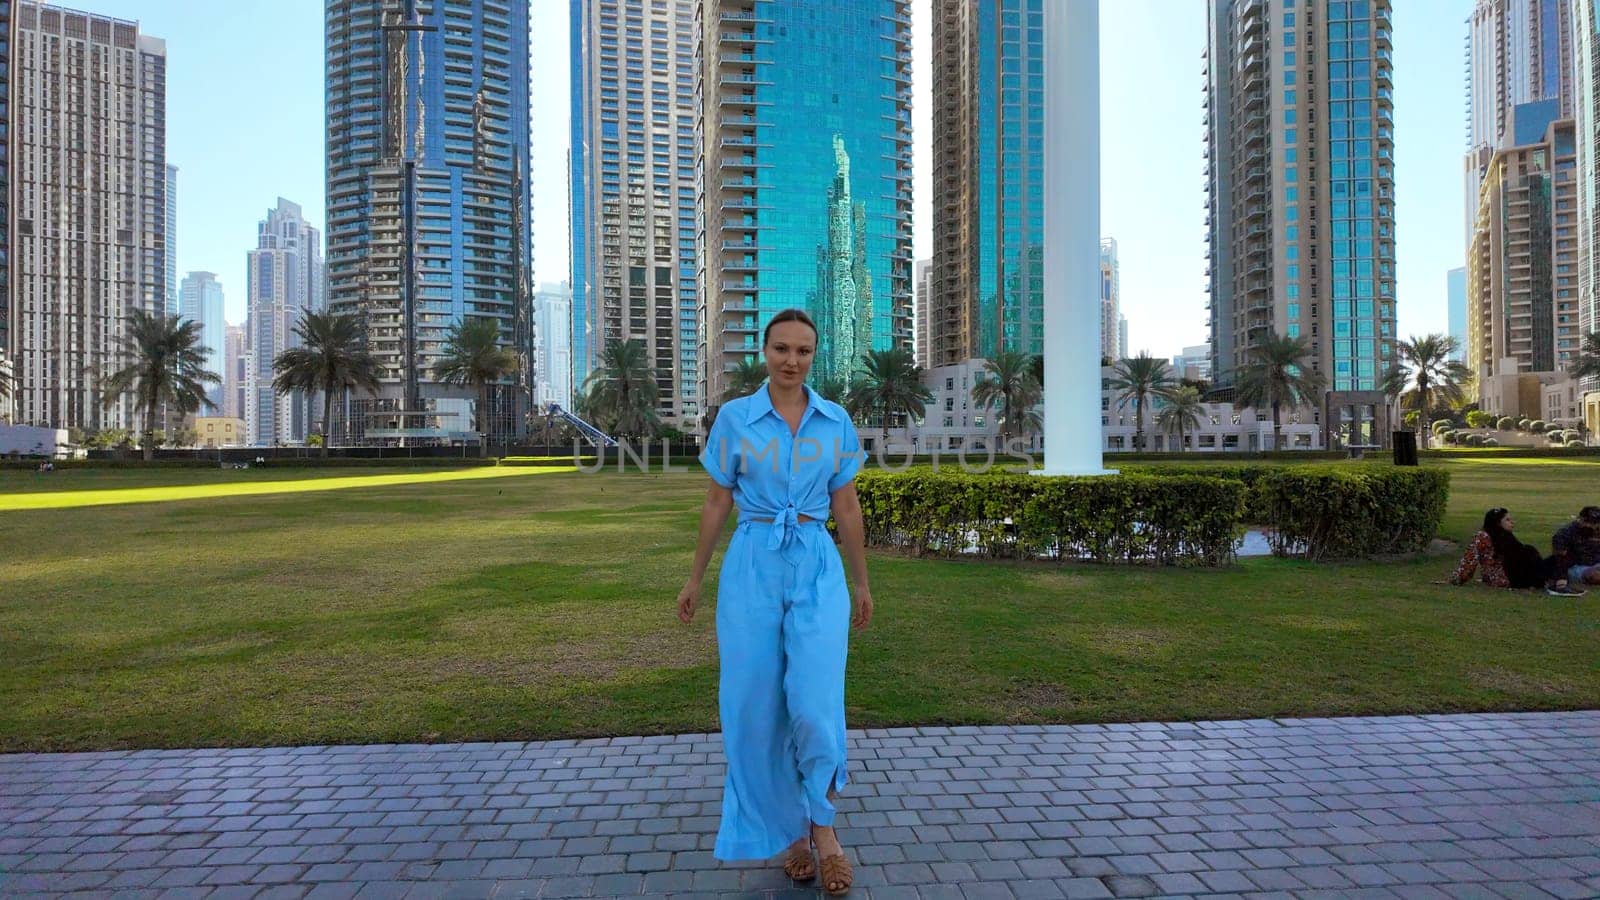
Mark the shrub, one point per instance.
(1489, 442)
(1505, 423)
(1332, 512)
(1522, 424)
(1183, 519)
(1574, 442)
(1168, 515)
(1477, 418)
(1537, 426)
(1439, 425)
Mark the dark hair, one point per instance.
(789, 315)
(1589, 515)
(1505, 544)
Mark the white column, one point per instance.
(1072, 432)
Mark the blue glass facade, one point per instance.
(1359, 187)
(578, 161)
(427, 162)
(1011, 130)
(989, 223)
(809, 176)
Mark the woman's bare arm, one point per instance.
(713, 516)
(846, 508)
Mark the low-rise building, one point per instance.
(219, 431)
(1521, 394)
(955, 424)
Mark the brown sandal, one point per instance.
(799, 865)
(836, 871)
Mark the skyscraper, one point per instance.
(988, 162)
(806, 148)
(429, 210)
(552, 323)
(236, 372)
(89, 226)
(1586, 102)
(200, 299)
(1300, 156)
(924, 289)
(170, 247)
(1455, 290)
(1518, 52)
(1522, 292)
(632, 191)
(1111, 343)
(8, 40)
(285, 281)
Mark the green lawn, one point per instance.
(538, 603)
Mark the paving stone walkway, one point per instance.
(1431, 806)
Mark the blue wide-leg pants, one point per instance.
(783, 627)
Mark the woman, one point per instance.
(1507, 562)
(787, 458)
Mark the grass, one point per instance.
(423, 606)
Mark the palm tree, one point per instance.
(834, 388)
(1587, 365)
(473, 358)
(1393, 386)
(890, 385)
(1434, 375)
(1141, 379)
(745, 379)
(1181, 414)
(622, 391)
(1007, 381)
(1279, 374)
(332, 358)
(163, 364)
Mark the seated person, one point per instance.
(1577, 546)
(1507, 562)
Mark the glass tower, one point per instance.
(632, 190)
(170, 248)
(1300, 161)
(200, 299)
(988, 159)
(806, 179)
(429, 208)
(1586, 51)
(1518, 52)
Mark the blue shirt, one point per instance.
(773, 474)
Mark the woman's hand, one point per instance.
(688, 599)
(863, 616)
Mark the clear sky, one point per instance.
(244, 126)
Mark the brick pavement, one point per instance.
(1425, 806)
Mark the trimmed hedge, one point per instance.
(1174, 520)
(1168, 515)
(1330, 513)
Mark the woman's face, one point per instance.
(791, 347)
(1508, 523)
